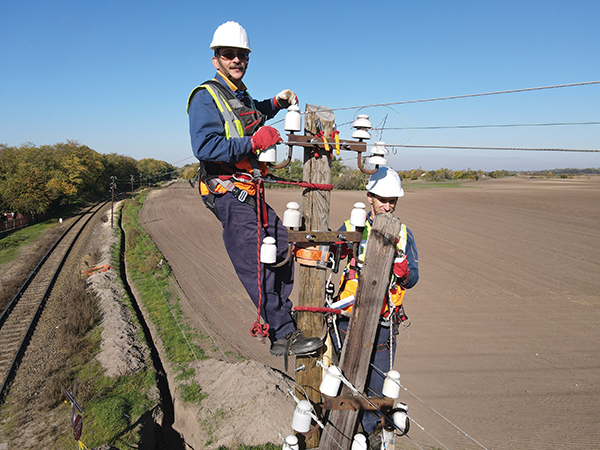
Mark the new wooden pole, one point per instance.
(315, 206)
(358, 346)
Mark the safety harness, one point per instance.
(240, 118)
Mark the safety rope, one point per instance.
(261, 209)
(302, 184)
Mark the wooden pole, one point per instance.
(358, 346)
(315, 206)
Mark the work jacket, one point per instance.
(219, 139)
(405, 247)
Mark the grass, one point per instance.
(11, 243)
(111, 405)
(153, 283)
(151, 277)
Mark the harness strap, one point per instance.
(240, 194)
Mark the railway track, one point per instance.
(18, 320)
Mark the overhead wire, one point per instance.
(510, 125)
(215, 343)
(439, 414)
(454, 97)
(185, 337)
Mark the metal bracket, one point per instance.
(310, 142)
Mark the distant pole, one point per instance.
(112, 203)
(131, 183)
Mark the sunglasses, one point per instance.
(390, 200)
(231, 54)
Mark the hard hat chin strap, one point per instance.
(223, 69)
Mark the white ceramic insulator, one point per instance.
(391, 384)
(377, 160)
(301, 419)
(292, 217)
(361, 134)
(362, 121)
(268, 251)
(293, 119)
(268, 155)
(291, 443)
(331, 382)
(400, 419)
(359, 442)
(379, 149)
(358, 216)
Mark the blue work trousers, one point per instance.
(379, 359)
(240, 234)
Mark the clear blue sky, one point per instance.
(115, 75)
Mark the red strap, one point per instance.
(317, 309)
(261, 209)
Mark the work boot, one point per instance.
(295, 343)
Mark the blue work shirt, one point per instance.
(207, 129)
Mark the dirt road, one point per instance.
(504, 342)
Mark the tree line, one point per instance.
(40, 179)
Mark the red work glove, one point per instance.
(285, 98)
(265, 137)
(401, 269)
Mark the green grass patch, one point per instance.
(11, 243)
(185, 373)
(192, 393)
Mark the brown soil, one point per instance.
(504, 336)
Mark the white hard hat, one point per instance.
(230, 34)
(385, 183)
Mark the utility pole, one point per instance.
(315, 206)
(112, 204)
(131, 183)
(373, 280)
(358, 347)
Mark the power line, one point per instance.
(490, 126)
(454, 97)
(450, 147)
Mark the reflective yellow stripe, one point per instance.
(401, 245)
(233, 126)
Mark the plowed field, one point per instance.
(505, 336)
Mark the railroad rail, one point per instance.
(18, 320)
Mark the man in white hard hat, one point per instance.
(383, 191)
(228, 133)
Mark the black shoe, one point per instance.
(295, 343)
